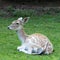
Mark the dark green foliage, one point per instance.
(24, 12)
(11, 11)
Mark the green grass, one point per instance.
(48, 25)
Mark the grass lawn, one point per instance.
(48, 25)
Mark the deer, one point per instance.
(36, 43)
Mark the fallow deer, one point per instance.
(31, 44)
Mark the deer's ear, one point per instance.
(25, 20)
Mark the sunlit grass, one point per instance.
(48, 25)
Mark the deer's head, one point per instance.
(18, 24)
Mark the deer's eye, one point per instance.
(17, 23)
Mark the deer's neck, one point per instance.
(22, 35)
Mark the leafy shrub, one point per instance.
(2, 13)
(25, 12)
(10, 8)
(10, 11)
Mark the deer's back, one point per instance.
(37, 40)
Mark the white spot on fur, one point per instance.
(20, 18)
